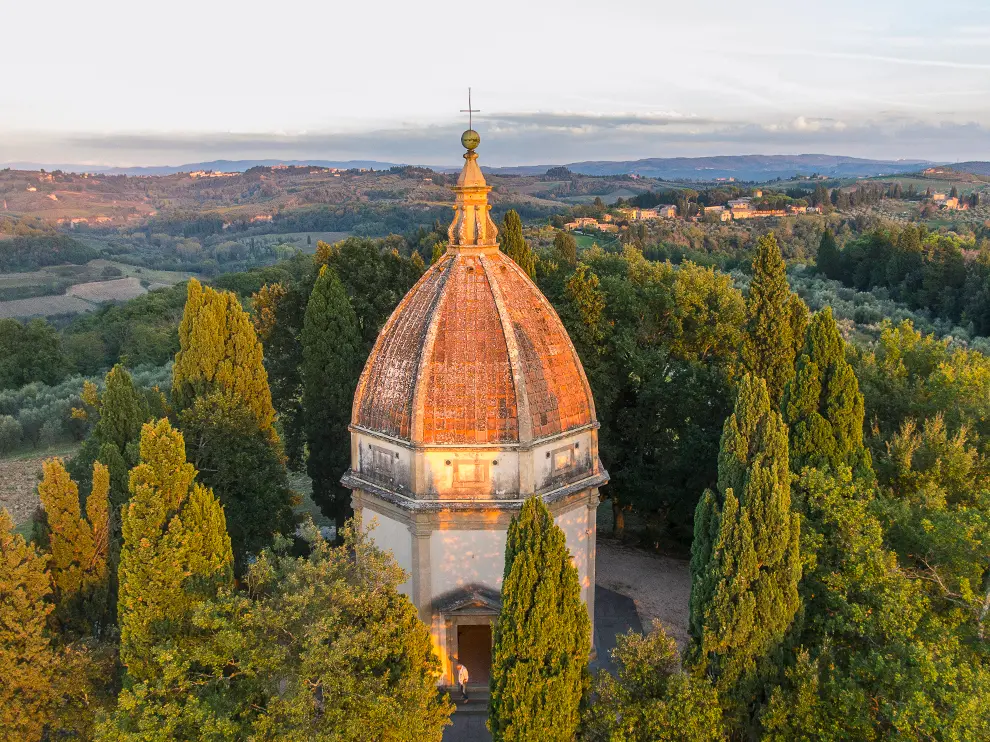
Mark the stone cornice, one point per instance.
(354, 481)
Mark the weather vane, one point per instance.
(470, 111)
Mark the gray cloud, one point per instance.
(532, 138)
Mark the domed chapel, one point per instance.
(472, 400)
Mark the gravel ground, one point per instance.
(18, 479)
(659, 586)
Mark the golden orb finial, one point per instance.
(470, 139)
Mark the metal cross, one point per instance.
(470, 111)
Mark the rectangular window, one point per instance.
(382, 463)
(562, 459)
(470, 471)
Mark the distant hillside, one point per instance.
(973, 167)
(225, 166)
(741, 167)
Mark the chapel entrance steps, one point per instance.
(478, 697)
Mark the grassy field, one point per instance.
(585, 241)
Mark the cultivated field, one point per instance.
(121, 289)
(44, 306)
(72, 289)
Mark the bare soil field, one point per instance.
(120, 289)
(44, 306)
(19, 477)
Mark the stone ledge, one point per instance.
(354, 481)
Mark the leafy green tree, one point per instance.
(26, 694)
(745, 559)
(768, 350)
(660, 346)
(317, 648)
(219, 351)
(332, 359)
(176, 550)
(880, 665)
(514, 244)
(829, 257)
(823, 406)
(79, 545)
(650, 699)
(29, 352)
(238, 463)
(935, 508)
(565, 248)
(542, 637)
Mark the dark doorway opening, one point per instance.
(474, 650)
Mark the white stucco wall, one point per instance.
(579, 528)
(390, 535)
(459, 558)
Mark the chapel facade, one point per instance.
(472, 400)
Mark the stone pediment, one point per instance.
(468, 599)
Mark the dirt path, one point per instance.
(660, 586)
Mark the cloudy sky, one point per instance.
(118, 82)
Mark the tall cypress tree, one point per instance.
(768, 350)
(219, 352)
(27, 663)
(823, 406)
(176, 550)
(331, 341)
(514, 245)
(114, 441)
(745, 561)
(542, 636)
(565, 248)
(438, 250)
(828, 257)
(79, 545)
(220, 385)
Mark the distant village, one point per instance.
(734, 210)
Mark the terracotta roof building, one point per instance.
(472, 400)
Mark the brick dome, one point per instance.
(473, 354)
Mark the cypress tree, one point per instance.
(514, 245)
(823, 406)
(331, 341)
(828, 256)
(245, 472)
(220, 385)
(542, 636)
(122, 411)
(565, 247)
(800, 317)
(79, 545)
(745, 561)
(176, 551)
(219, 351)
(768, 350)
(438, 250)
(27, 663)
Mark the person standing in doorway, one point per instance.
(462, 680)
